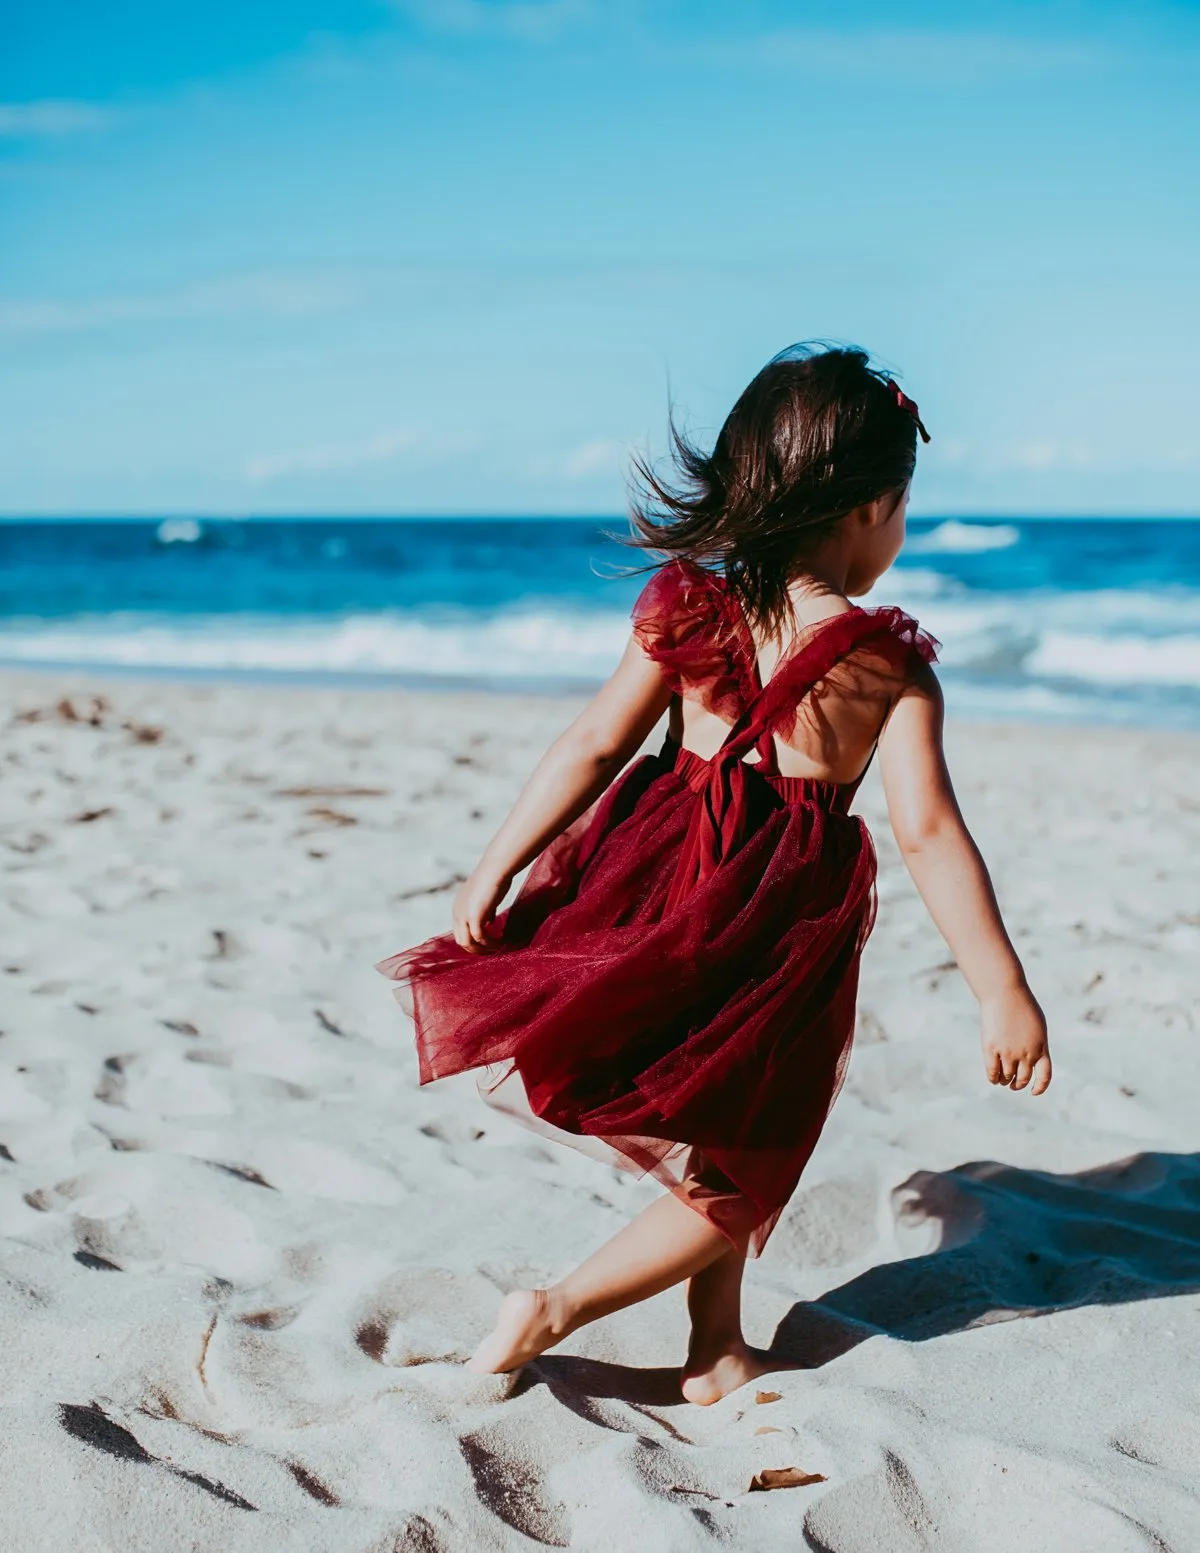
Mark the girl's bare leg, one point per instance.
(666, 1243)
(719, 1359)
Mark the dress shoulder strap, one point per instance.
(886, 640)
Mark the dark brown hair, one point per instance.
(817, 433)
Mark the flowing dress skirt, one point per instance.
(700, 1034)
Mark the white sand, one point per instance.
(243, 1252)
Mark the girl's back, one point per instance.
(837, 724)
(829, 731)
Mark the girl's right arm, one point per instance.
(953, 881)
(572, 774)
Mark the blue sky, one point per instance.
(448, 256)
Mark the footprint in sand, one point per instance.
(914, 1502)
(138, 1209)
(112, 1084)
(512, 1487)
(425, 1316)
(312, 1169)
(93, 1426)
(108, 1232)
(162, 1085)
(105, 1228)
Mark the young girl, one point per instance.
(674, 985)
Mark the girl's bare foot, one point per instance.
(525, 1327)
(706, 1378)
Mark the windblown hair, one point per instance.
(817, 433)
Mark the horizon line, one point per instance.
(516, 516)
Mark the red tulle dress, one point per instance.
(673, 987)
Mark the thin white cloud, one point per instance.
(52, 117)
(1049, 455)
(1052, 455)
(914, 52)
(589, 460)
(1041, 454)
(601, 456)
(381, 449)
(288, 296)
(531, 21)
(1029, 455)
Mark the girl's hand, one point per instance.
(1015, 1045)
(474, 907)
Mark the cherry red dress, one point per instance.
(673, 987)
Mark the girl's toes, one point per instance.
(522, 1331)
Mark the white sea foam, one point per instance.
(911, 585)
(1106, 636)
(178, 531)
(1117, 660)
(955, 538)
(540, 646)
(1028, 653)
(1102, 610)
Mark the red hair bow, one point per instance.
(908, 405)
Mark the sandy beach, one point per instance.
(243, 1254)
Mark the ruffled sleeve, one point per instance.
(686, 621)
(905, 630)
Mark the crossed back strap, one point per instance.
(807, 661)
(722, 817)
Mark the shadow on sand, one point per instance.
(1013, 1243)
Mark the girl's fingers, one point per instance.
(1042, 1074)
(1017, 1071)
(481, 933)
(464, 935)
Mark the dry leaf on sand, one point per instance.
(768, 1396)
(783, 1477)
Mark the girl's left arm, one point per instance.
(952, 877)
(570, 776)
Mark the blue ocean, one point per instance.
(1069, 620)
